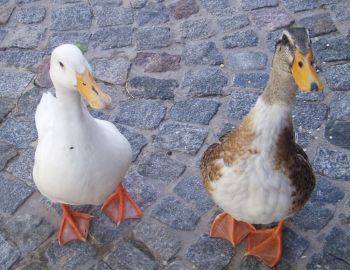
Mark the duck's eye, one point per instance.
(61, 64)
(300, 64)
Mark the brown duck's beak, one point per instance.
(91, 91)
(304, 73)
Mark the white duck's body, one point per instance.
(79, 159)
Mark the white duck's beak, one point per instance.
(91, 91)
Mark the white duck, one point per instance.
(79, 159)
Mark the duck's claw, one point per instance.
(226, 227)
(266, 244)
(120, 206)
(74, 226)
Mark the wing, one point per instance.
(44, 113)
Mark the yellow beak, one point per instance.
(304, 73)
(91, 91)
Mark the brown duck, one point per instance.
(257, 173)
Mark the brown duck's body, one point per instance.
(257, 173)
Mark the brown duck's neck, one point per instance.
(281, 87)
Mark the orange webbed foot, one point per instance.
(120, 206)
(226, 227)
(74, 226)
(266, 244)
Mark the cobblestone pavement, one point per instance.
(180, 73)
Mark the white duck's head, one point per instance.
(70, 71)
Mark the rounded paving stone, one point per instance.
(183, 9)
(9, 253)
(241, 102)
(112, 71)
(108, 15)
(30, 15)
(113, 37)
(326, 192)
(340, 107)
(7, 152)
(250, 80)
(202, 54)
(72, 17)
(196, 29)
(337, 77)
(240, 39)
(153, 38)
(338, 133)
(319, 24)
(247, 61)
(153, 13)
(310, 115)
(228, 24)
(12, 84)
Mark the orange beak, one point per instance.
(304, 73)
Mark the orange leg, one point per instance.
(120, 206)
(226, 227)
(74, 225)
(266, 244)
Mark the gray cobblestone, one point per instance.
(178, 265)
(137, 140)
(109, 38)
(183, 9)
(127, 257)
(142, 114)
(194, 110)
(319, 24)
(252, 262)
(181, 137)
(339, 107)
(7, 152)
(326, 261)
(255, 4)
(340, 10)
(176, 214)
(153, 38)
(152, 88)
(72, 17)
(241, 39)
(30, 15)
(161, 167)
(250, 80)
(58, 38)
(20, 57)
(26, 37)
(9, 253)
(196, 29)
(338, 133)
(209, 253)
(202, 54)
(3, 33)
(108, 15)
(26, 105)
(101, 265)
(19, 133)
(241, 102)
(332, 49)
(294, 245)
(6, 106)
(13, 194)
(157, 62)
(309, 115)
(5, 14)
(153, 13)
(204, 82)
(112, 71)
(301, 5)
(271, 18)
(337, 244)
(332, 163)
(247, 61)
(336, 77)
(12, 84)
(326, 192)
(228, 24)
(213, 5)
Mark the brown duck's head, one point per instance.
(294, 53)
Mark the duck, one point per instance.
(256, 173)
(79, 160)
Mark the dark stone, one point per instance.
(272, 39)
(326, 261)
(142, 189)
(194, 110)
(210, 253)
(27, 104)
(28, 232)
(72, 17)
(312, 217)
(241, 39)
(13, 194)
(338, 244)
(28, 15)
(202, 54)
(161, 167)
(152, 88)
(153, 13)
(309, 115)
(6, 106)
(176, 214)
(255, 4)
(101, 265)
(332, 49)
(136, 140)
(337, 76)
(247, 61)
(271, 19)
(197, 29)
(22, 167)
(69, 256)
(127, 257)
(181, 137)
(9, 254)
(43, 76)
(160, 240)
(338, 133)
(241, 102)
(114, 71)
(13, 83)
(319, 24)
(205, 82)
(250, 80)
(153, 38)
(178, 265)
(332, 163)
(191, 189)
(109, 38)
(183, 9)
(294, 245)
(339, 107)
(301, 5)
(104, 230)
(108, 15)
(19, 133)
(157, 62)
(7, 152)
(229, 24)
(58, 38)
(213, 5)
(326, 192)
(138, 3)
(146, 114)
